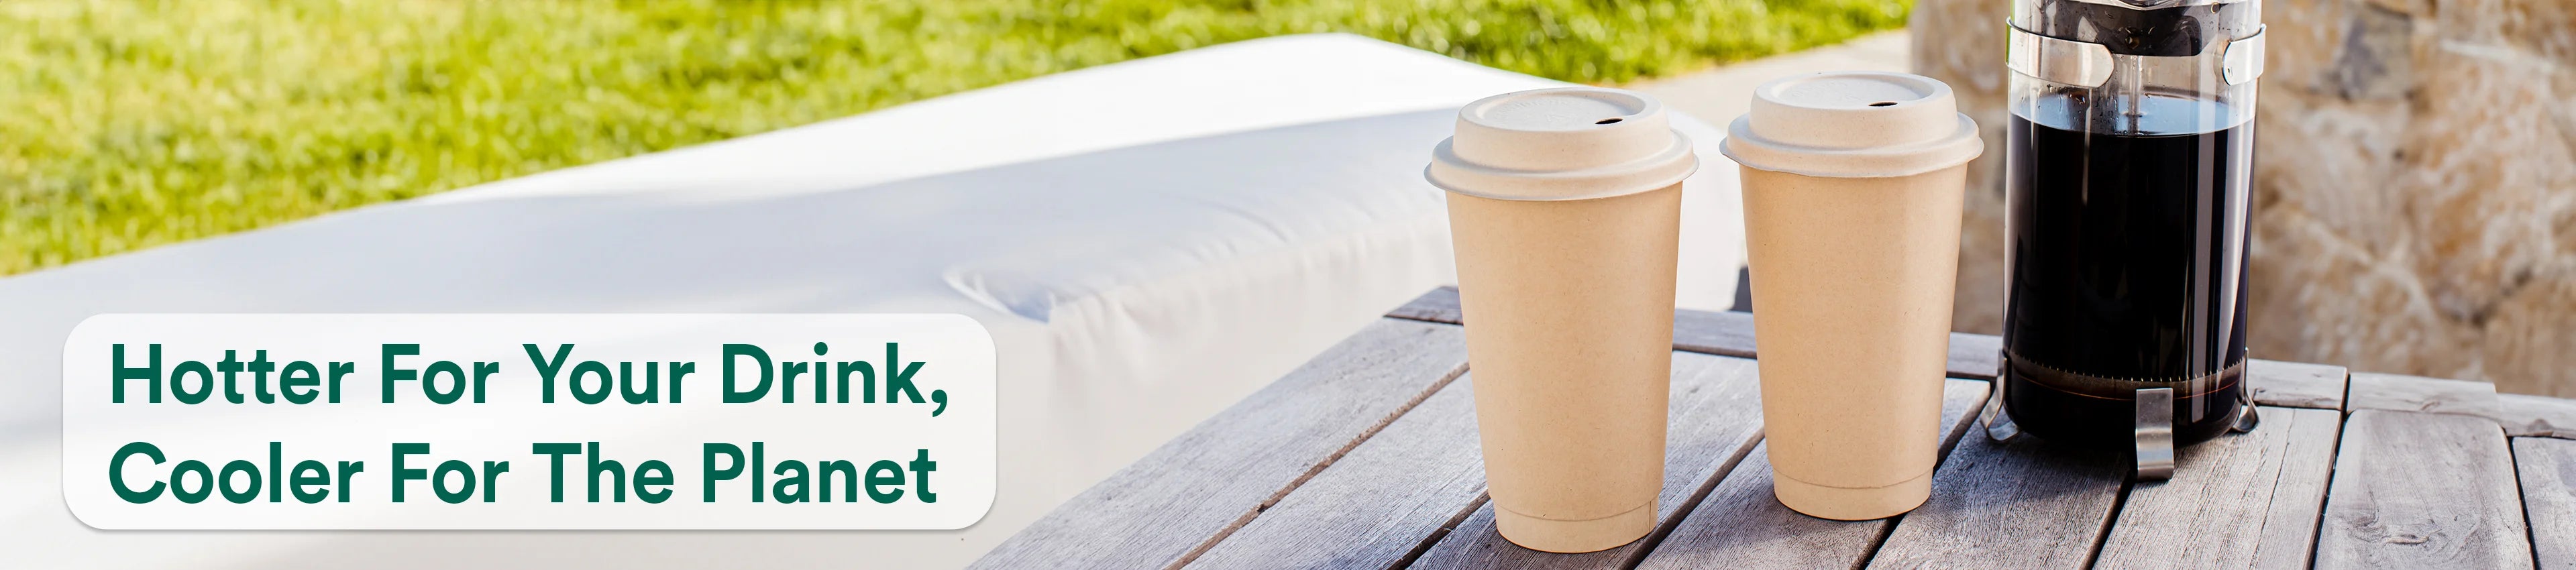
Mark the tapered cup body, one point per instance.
(1569, 309)
(1852, 281)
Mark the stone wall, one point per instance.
(2415, 189)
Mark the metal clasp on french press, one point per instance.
(1999, 425)
(2152, 432)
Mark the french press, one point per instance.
(2127, 173)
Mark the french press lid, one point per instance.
(2073, 41)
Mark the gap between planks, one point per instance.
(1319, 467)
(1714, 419)
(1738, 524)
(1375, 503)
(1166, 506)
(2546, 468)
(1455, 521)
(2009, 504)
(2242, 500)
(2102, 536)
(2417, 489)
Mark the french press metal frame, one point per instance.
(2086, 64)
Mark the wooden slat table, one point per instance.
(1367, 458)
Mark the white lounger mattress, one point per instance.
(1148, 242)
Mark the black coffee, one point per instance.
(2127, 254)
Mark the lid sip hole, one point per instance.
(1883, 104)
(1606, 121)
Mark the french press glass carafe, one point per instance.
(2127, 174)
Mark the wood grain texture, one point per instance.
(1716, 418)
(2374, 391)
(1728, 333)
(1377, 502)
(1181, 497)
(1438, 306)
(2422, 490)
(2548, 468)
(2240, 501)
(2525, 414)
(1723, 333)
(2008, 505)
(1741, 526)
(2296, 384)
(1976, 356)
(1367, 457)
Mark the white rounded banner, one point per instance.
(529, 421)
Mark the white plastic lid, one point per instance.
(1566, 143)
(1853, 124)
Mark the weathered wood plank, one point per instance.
(1398, 489)
(1723, 333)
(1438, 306)
(2240, 501)
(2296, 384)
(2374, 391)
(1375, 504)
(1728, 333)
(2525, 414)
(1180, 498)
(1716, 418)
(2548, 468)
(2008, 505)
(1972, 356)
(2422, 490)
(1976, 356)
(1741, 526)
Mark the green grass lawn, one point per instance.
(126, 124)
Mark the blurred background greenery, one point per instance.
(128, 123)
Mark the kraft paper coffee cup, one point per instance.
(1565, 210)
(1852, 199)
